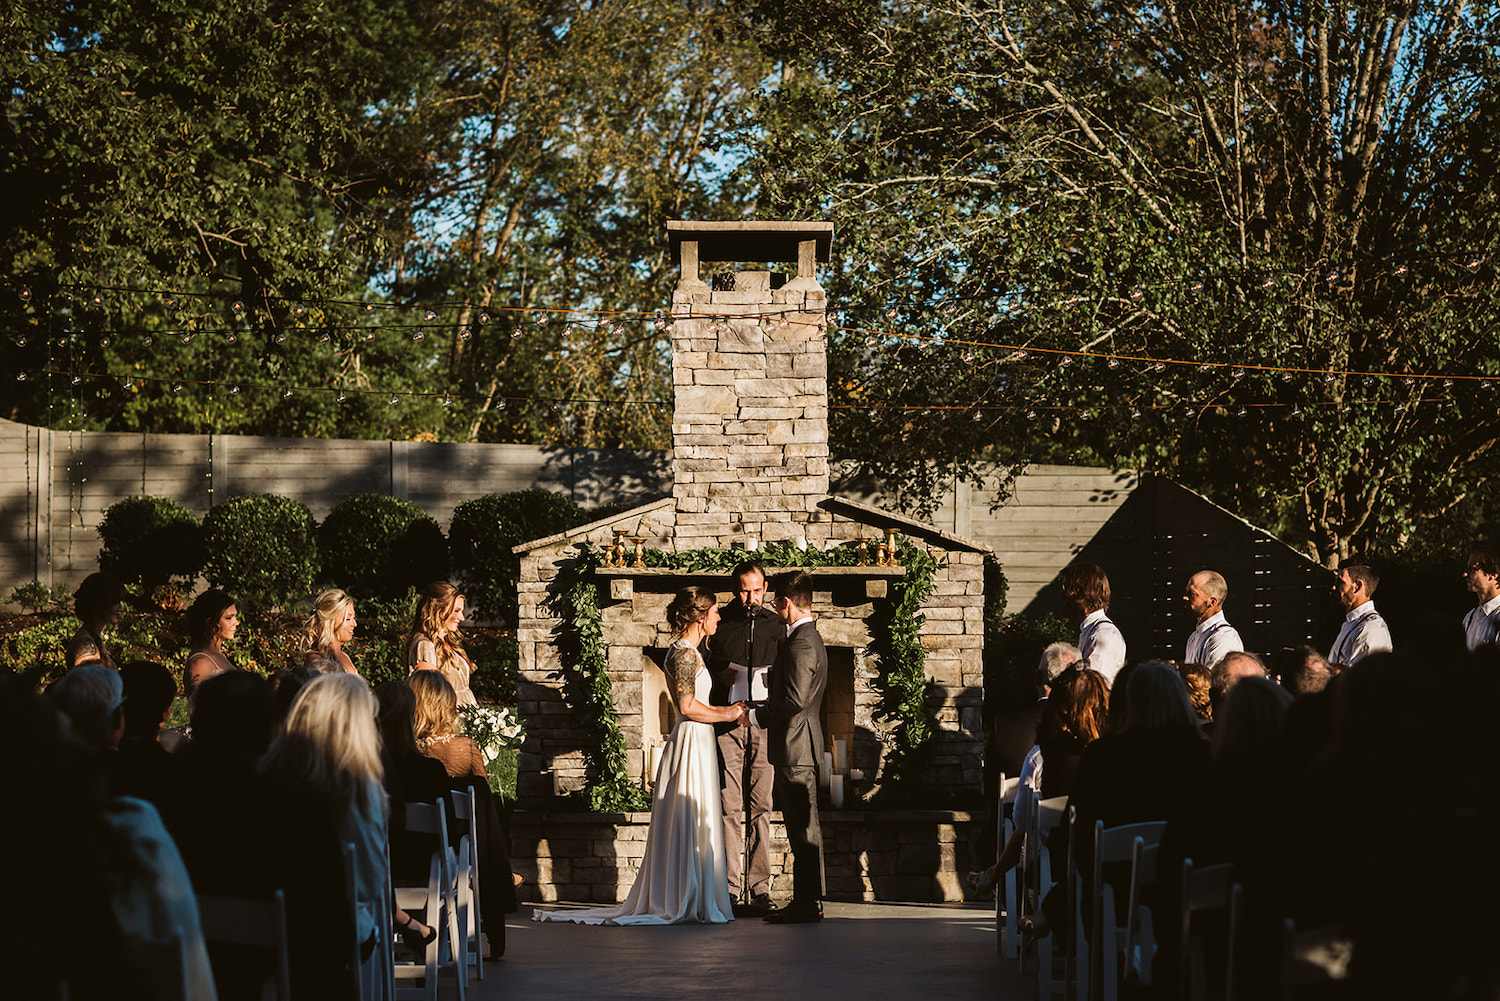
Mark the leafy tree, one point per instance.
(191, 195)
(556, 142)
(1252, 247)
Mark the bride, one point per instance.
(683, 876)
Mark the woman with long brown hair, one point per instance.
(684, 876)
(434, 644)
(1075, 716)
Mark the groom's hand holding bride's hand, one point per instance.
(743, 719)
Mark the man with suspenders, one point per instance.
(1214, 637)
(1364, 632)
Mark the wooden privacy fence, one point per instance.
(1147, 532)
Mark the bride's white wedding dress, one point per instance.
(683, 876)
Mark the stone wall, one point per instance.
(914, 855)
(750, 426)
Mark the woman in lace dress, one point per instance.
(435, 645)
(684, 876)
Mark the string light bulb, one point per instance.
(299, 311)
(429, 314)
(24, 292)
(237, 308)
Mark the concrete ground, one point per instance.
(865, 951)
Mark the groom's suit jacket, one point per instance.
(792, 713)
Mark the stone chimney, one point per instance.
(750, 374)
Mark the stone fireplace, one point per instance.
(750, 465)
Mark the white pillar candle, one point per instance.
(653, 761)
(836, 791)
(840, 756)
(856, 775)
(801, 543)
(751, 544)
(826, 771)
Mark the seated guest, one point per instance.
(439, 733)
(1152, 768)
(101, 880)
(1015, 731)
(1234, 819)
(1303, 671)
(329, 750)
(1074, 717)
(227, 819)
(144, 769)
(212, 621)
(1229, 669)
(97, 603)
(1198, 680)
(410, 777)
(286, 684)
(92, 697)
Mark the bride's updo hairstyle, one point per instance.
(689, 605)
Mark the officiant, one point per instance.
(739, 658)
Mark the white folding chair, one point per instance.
(1211, 888)
(437, 899)
(164, 964)
(1049, 815)
(466, 810)
(1140, 932)
(257, 923)
(1098, 967)
(1007, 933)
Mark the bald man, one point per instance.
(1214, 637)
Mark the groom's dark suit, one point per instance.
(794, 745)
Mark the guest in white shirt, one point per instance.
(1364, 632)
(1085, 595)
(1482, 576)
(1214, 636)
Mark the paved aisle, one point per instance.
(865, 951)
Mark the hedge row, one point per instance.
(268, 551)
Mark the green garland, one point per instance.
(897, 643)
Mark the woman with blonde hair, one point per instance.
(684, 875)
(437, 729)
(329, 751)
(329, 627)
(434, 642)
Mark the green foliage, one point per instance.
(905, 685)
(903, 677)
(38, 597)
(151, 541)
(484, 530)
(376, 546)
(1011, 652)
(260, 549)
(496, 658)
(1112, 179)
(42, 647)
(582, 651)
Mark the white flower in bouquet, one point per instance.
(493, 728)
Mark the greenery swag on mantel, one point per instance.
(897, 629)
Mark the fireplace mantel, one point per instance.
(816, 572)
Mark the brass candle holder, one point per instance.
(881, 557)
(888, 547)
(864, 552)
(640, 554)
(616, 554)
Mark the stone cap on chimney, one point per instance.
(751, 240)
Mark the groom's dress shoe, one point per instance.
(796, 914)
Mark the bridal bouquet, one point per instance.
(493, 728)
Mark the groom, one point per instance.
(794, 740)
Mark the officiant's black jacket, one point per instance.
(742, 639)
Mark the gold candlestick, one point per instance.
(617, 551)
(890, 547)
(640, 554)
(864, 552)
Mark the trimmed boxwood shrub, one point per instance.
(260, 549)
(483, 532)
(151, 541)
(374, 546)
